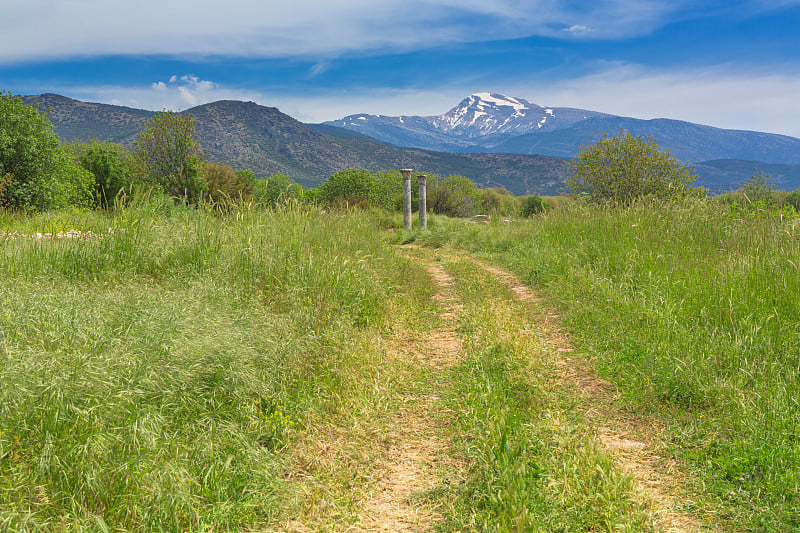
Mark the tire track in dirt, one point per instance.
(416, 453)
(623, 437)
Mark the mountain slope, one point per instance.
(685, 140)
(492, 122)
(477, 123)
(76, 120)
(726, 175)
(246, 135)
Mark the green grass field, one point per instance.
(694, 316)
(183, 371)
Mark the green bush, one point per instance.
(277, 189)
(111, 166)
(533, 205)
(169, 157)
(793, 199)
(454, 196)
(625, 167)
(498, 200)
(36, 172)
(758, 191)
(356, 187)
(223, 184)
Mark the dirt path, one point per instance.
(415, 451)
(630, 441)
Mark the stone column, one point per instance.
(423, 200)
(406, 172)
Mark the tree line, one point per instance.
(38, 173)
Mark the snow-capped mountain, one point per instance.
(491, 122)
(485, 114)
(478, 122)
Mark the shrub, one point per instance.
(223, 184)
(111, 166)
(312, 196)
(169, 156)
(278, 189)
(625, 167)
(499, 200)
(793, 199)
(454, 196)
(36, 172)
(533, 205)
(356, 187)
(758, 191)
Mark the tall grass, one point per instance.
(151, 378)
(693, 314)
(533, 466)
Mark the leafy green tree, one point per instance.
(278, 189)
(36, 172)
(625, 167)
(111, 166)
(793, 199)
(758, 190)
(533, 205)
(500, 201)
(454, 196)
(223, 183)
(356, 187)
(169, 156)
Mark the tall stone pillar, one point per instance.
(423, 200)
(406, 172)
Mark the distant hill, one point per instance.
(76, 120)
(246, 135)
(491, 122)
(726, 175)
(685, 141)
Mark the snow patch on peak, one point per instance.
(495, 99)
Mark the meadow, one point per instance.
(192, 370)
(691, 311)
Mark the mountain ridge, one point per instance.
(496, 123)
(267, 141)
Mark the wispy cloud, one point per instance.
(578, 29)
(36, 29)
(318, 69)
(721, 96)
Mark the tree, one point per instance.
(36, 172)
(625, 167)
(533, 205)
(793, 199)
(454, 196)
(356, 186)
(277, 189)
(109, 164)
(169, 156)
(758, 190)
(225, 184)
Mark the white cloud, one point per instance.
(720, 96)
(318, 68)
(160, 86)
(578, 29)
(253, 28)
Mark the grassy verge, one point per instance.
(693, 314)
(159, 377)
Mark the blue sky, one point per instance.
(728, 64)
